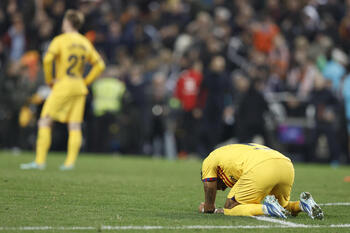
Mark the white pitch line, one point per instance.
(296, 225)
(282, 222)
(146, 228)
(336, 204)
(339, 226)
(182, 227)
(45, 228)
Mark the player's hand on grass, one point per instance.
(216, 211)
(219, 211)
(201, 207)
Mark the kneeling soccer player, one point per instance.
(254, 173)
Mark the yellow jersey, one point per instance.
(71, 52)
(230, 162)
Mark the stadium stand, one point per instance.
(275, 71)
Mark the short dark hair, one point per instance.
(76, 18)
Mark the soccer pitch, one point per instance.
(136, 194)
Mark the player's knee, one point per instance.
(231, 203)
(282, 200)
(284, 204)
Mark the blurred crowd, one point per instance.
(184, 76)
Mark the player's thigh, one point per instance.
(250, 188)
(55, 107)
(256, 184)
(283, 187)
(47, 107)
(76, 114)
(245, 192)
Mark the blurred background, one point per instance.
(184, 76)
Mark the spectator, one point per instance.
(2, 56)
(320, 50)
(215, 84)
(334, 69)
(56, 12)
(160, 112)
(344, 31)
(264, 33)
(310, 21)
(291, 24)
(114, 40)
(300, 79)
(137, 108)
(238, 51)
(326, 106)
(250, 111)
(279, 57)
(346, 96)
(176, 16)
(187, 91)
(108, 93)
(17, 37)
(3, 21)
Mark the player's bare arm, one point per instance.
(210, 188)
(210, 195)
(96, 70)
(48, 67)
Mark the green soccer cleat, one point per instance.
(308, 205)
(32, 166)
(272, 208)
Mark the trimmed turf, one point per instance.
(123, 191)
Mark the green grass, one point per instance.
(123, 191)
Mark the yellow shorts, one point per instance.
(65, 109)
(273, 176)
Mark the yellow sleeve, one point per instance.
(98, 66)
(209, 170)
(51, 53)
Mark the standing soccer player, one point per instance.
(70, 52)
(253, 172)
